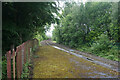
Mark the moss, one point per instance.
(53, 63)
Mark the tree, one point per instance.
(23, 20)
(89, 25)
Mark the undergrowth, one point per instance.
(102, 47)
(4, 67)
(26, 71)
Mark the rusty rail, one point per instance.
(20, 57)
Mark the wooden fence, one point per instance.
(20, 57)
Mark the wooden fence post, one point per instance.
(14, 63)
(20, 60)
(21, 55)
(25, 52)
(9, 64)
(28, 51)
(18, 63)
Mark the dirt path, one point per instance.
(54, 63)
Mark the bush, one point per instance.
(113, 53)
(26, 71)
(102, 47)
(105, 48)
(101, 44)
(4, 67)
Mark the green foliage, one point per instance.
(101, 44)
(4, 67)
(113, 53)
(23, 20)
(91, 27)
(103, 47)
(40, 37)
(28, 65)
(36, 56)
(26, 71)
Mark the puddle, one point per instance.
(81, 56)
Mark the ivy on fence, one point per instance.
(21, 56)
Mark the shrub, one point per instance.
(26, 72)
(113, 53)
(4, 67)
(101, 44)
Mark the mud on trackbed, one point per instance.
(52, 62)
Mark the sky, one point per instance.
(49, 32)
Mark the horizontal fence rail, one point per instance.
(19, 57)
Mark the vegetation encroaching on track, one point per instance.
(91, 27)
